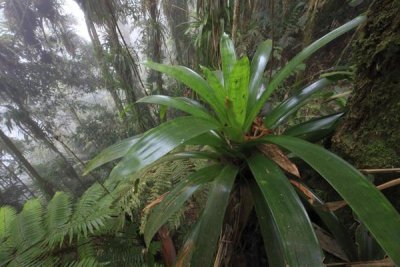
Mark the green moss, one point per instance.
(378, 154)
(369, 137)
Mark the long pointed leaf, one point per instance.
(212, 218)
(296, 235)
(7, 217)
(279, 114)
(228, 57)
(215, 82)
(194, 81)
(258, 65)
(370, 205)
(342, 236)
(206, 139)
(268, 228)
(176, 198)
(238, 91)
(298, 59)
(159, 141)
(315, 129)
(111, 153)
(182, 103)
(189, 155)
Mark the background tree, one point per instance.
(368, 136)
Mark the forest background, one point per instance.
(68, 91)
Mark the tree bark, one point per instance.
(13, 150)
(124, 65)
(100, 58)
(177, 15)
(155, 42)
(235, 23)
(369, 136)
(38, 133)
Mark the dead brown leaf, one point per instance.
(276, 154)
(154, 202)
(329, 244)
(304, 190)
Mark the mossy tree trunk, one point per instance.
(369, 137)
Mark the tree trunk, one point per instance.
(38, 133)
(369, 136)
(124, 65)
(177, 14)
(16, 178)
(13, 150)
(100, 58)
(235, 23)
(156, 43)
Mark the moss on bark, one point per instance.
(370, 134)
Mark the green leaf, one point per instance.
(28, 228)
(158, 141)
(210, 224)
(228, 57)
(175, 199)
(258, 65)
(91, 211)
(238, 91)
(85, 262)
(295, 233)
(207, 139)
(341, 235)
(279, 114)
(194, 81)
(298, 59)
(111, 153)
(182, 103)
(338, 75)
(268, 228)
(368, 248)
(315, 129)
(368, 203)
(59, 212)
(189, 155)
(215, 82)
(7, 217)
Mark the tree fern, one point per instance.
(88, 262)
(154, 182)
(63, 234)
(59, 212)
(7, 216)
(91, 212)
(93, 229)
(27, 228)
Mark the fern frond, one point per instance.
(86, 249)
(36, 255)
(6, 252)
(87, 262)
(91, 212)
(7, 217)
(59, 212)
(122, 251)
(28, 228)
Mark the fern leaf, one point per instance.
(7, 217)
(28, 228)
(59, 212)
(87, 262)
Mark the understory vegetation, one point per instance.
(199, 133)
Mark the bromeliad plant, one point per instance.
(244, 149)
